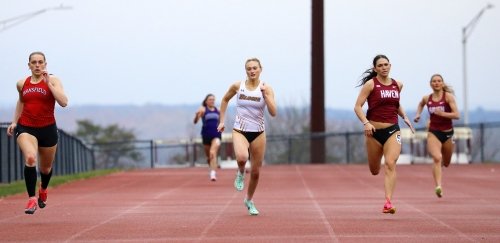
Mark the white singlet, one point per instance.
(249, 109)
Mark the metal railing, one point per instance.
(72, 156)
(341, 148)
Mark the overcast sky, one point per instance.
(177, 51)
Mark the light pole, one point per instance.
(9, 23)
(466, 31)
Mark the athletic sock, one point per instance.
(30, 180)
(45, 179)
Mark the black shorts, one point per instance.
(250, 136)
(208, 139)
(46, 136)
(442, 136)
(381, 135)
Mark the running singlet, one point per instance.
(438, 122)
(383, 102)
(210, 122)
(249, 109)
(38, 109)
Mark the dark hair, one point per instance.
(446, 87)
(370, 72)
(36, 53)
(204, 103)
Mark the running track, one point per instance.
(305, 203)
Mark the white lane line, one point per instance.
(418, 210)
(327, 224)
(212, 223)
(159, 195)
(441, 222)
(59, 203)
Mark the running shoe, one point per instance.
(31, 206)
(388, 208)
(213, 177)
(439, 191)
(251, 207)
(239, 181)
(42, 197)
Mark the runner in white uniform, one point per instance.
(248, 132)
(249, 109)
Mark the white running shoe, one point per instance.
(213, 176)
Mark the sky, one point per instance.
(171, 52)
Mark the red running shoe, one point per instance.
(31, 206)
(388, 208)
(42, 197)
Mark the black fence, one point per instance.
(475, 143)
(72, 156)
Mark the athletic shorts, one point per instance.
(207, 140)
(250, 136)
(442, 136)
(46, 136)
(381, 135)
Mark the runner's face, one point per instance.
(382, 67)
(436, 83)
(211, 101)
(253, 70)
(37, 64)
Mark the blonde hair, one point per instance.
(253, 59)
(446, 87)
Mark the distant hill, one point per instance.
(155, 121)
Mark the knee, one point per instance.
(374, 167)
(212, 155)
(45, 170)
(31, 159)
(437, 159)
(446, 163)
(390, 166)
(241, 158)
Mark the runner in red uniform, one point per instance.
(383, 137)
(442, 109)
(34, 126)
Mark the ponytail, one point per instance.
(367, 75)
(204, 103)
(446, 87)
(370, 73)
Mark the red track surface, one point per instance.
(306, 203)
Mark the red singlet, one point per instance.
(439, 123)
(383, 102)
(38, 109)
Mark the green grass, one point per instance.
(19, 186)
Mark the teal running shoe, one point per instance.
(251, 207)
(239, 181)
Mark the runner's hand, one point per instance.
(45, 75)
(417, 118)
(11, 129)
(369, 129)
(408, 123)
(220, 128)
